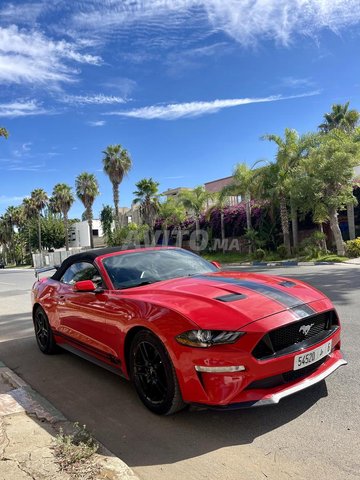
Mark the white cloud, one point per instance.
(24, 13)
(125, 86)
(21, 109)
(293, 82)
(31, 57)
(247, 21)
(6, 200)
(98, 99)
(195, 109)
(98, 123)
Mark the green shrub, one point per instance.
(312, 245)
(282, 251)
(129, 236)
(259, 254)
(353, 248)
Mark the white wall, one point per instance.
(79, 235)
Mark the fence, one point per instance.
(54, 258)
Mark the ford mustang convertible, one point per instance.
(185, 332)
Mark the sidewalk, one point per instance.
(29, 425)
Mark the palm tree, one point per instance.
(290, 150)
(170, 212)
(30, 212)
(146, 195)
(242, 185)
(87, 189)
(39, 199)
(340, 117)
(117, 163)
(5, 237)
(107, 218)
(196, 201)
(344, 119)
(61, 201)
(221, 201)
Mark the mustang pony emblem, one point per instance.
(305, 329)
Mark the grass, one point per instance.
(329, 257)
(74, 453)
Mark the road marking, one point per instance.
(3, 283)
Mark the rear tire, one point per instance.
(43, 333)
(153, 374)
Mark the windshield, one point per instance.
(142, 268)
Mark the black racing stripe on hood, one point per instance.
(284, 298)
(303, 311)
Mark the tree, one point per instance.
(117, 163)
(326, 178)
(170, 212)
(87, 189)
(39, 199)
(106, 219)
(196, 202)
(3, 132)
(9, 238)
(147, 196)
(290, 150)
(61, 201)
(346, 120)
(52, 231)
(340, 117)
(30, 212)
(242, 185)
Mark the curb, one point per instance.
(23, 400)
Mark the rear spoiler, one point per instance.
(45, 269)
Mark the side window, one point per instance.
(81, 271)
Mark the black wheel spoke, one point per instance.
(150, 372)
(144, 352)
(41, 329)
(153, 374)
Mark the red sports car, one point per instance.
(186, 332)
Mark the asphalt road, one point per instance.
(314, 434)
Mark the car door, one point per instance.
(82, 315)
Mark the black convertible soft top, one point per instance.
(88, 256)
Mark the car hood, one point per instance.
(230, 300)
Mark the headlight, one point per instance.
(208, 338)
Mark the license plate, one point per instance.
(305, 359)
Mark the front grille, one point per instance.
(287, 377)
(292, 337)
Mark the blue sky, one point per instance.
(187, 86)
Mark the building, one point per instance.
(130, 215)
(79, 234)
(175, 192)
(215, 186)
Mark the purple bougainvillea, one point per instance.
(234, 220)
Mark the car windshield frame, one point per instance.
(136, 269)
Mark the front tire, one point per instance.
(153, 375)
(43, 333)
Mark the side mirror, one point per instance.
(85, 286)
(216, 264)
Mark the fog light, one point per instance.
(230, 369)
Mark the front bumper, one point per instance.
(274, 398)
(249, 386)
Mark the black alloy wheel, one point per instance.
(154, 375)
(43, 333)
